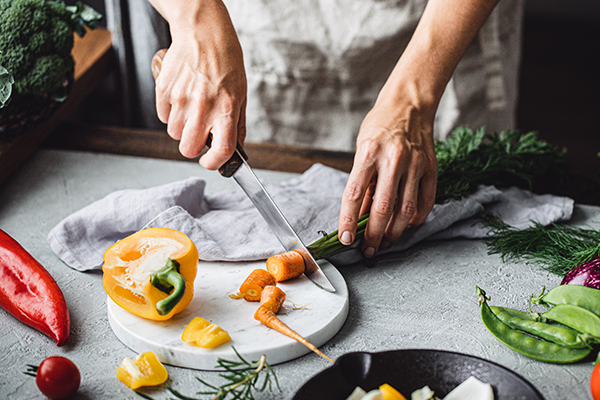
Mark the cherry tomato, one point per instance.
(57, 377)
(595, 382)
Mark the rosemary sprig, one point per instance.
(242, 380)
(557, 248)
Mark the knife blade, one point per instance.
(238, 168)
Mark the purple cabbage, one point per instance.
(586, 274)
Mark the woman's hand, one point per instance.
(202, 84)
(393, 178)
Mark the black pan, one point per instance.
(409, 370)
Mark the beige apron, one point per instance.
(315, 67)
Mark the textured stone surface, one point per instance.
(421, 298)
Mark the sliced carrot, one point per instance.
(268, 318)
(286, 265)
(272, 298)
(255, 283)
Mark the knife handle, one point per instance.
(237, 159)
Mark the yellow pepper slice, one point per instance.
(151, 273)
(144, 370)
(389, 393)
(200, 332)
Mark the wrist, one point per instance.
(189, 18)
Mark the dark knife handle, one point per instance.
(232, 165)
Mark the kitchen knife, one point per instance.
(238, 168)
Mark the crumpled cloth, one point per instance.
(226, 226)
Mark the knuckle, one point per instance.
(407, 210)
(347, 220)
(384, 208)
(353, 192)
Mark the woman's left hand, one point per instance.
(393, 178)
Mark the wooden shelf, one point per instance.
(157, 144)
(94, 59)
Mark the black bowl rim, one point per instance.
(424, 351)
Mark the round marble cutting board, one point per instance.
(312, 312)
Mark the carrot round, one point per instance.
(268, 318)
(286, 265)
(255, 283)
(272, 298)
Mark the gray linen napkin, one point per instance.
(226, 227)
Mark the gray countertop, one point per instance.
(421, 298)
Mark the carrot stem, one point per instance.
(268, 318)
(330, 244)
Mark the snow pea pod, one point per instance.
(556, 333)
(574, 317)
(530, 346)
(576, 295)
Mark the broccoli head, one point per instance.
(36, 39)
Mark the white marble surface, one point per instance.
(421, 298)
(314, 313)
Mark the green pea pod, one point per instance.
(556, 333)
(575, 295)
(574, 317)
(530, 346)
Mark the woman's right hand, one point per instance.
(201, 87)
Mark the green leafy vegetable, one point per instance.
(36, 39)
(84, 16)
(557, 248)
(6, 82)
(470, 158)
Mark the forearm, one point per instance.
(443, 34)
(193, 18)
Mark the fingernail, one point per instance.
(384, 244)
(369, 251)
(346, 238)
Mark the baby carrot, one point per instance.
(255, 283)
(272, 298)
(268, 318)
(286, 265)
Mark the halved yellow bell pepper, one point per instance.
(151, 273)
(144, 370)
(200, 332)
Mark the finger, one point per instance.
(224, 142)
(406, 207)
(352, 199)
(193, 137)
(426, 200)
(368, 200)
(241, 136)
(176, 123)
(380, 213)
(163, 106)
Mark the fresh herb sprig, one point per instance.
(469, 158)
(243, 378)
(557, 248)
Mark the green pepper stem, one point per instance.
(168, 279)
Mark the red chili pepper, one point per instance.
(29, 293)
